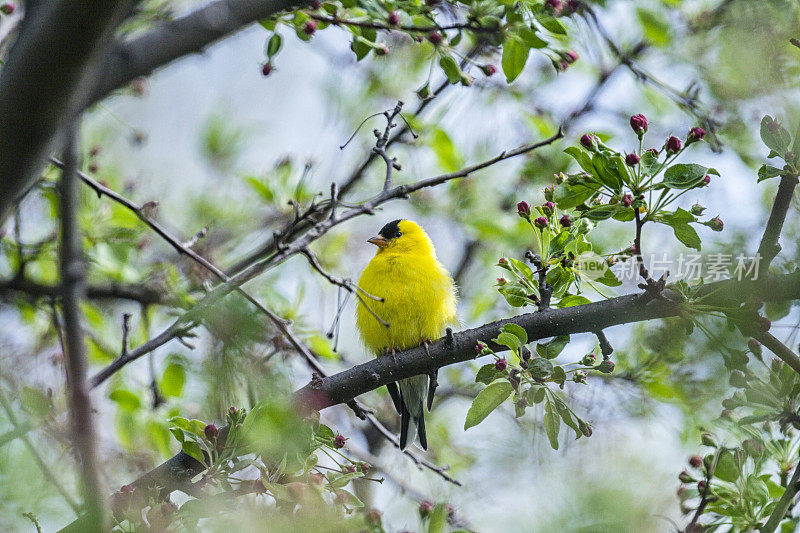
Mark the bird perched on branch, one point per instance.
(418, 303)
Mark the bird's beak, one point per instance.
(379, 241)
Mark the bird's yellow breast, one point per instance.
(419, 301)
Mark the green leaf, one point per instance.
(551, 349)
(552, 424)
(777, 138)
(447, 155)
(274, 45)
(583, 159)
(518, 267)
(529, 37)
(601, 212)
(488, 373)
(540, 367)
(487, 401)
(438, 519)
(567, 196)
(551, 24)
(684, 176)
(36, 402)
(726, 468)
(606, 171)
(514, 329)
(687, 235)
(126, 399)
(573, 300)
(649, 163)
(173, 380)
(515, 294)
(192, 449)
(450, 67)
(609, 279)
(508, 339)
(515, 55)
(350, 499)
(559, 376)
(766, 172)
(656, 29)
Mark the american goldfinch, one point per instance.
(419, 302)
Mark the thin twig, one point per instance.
(778, 348)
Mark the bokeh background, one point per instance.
(194, 137)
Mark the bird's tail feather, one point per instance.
(412, 421)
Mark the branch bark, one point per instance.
(142, 294)
(48, 69)
(769, 246)
(172, 40)
(72, 291)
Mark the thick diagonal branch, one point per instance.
(44, 79)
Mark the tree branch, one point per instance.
(769, 246)
(112, 291)
(43, 79)
(72, 291)
(171, 40)
(586, 318)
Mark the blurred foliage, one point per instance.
(721, 64)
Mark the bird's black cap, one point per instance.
(391, 230)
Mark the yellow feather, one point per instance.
(419, 302)
(419, 294)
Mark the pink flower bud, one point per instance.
(310, 27)
(715, 224)
(502, 261)
(639, 124)
(481, 346)
(627, 200)
(435, 37)
(695, 134)
(579, 376)
(502, 281)
(695, 461)
(425, 508)
(211, 431)
(673, 145)
(339, 441)
(548, 208)
(706, 180)
(266, 69)
(565, 221)
(500, 364)
(540, 222)
(553, 6)
(548, 192)
(7, 8)
(393, 19)
(587, 140)
(524, 210)
(489, 70)
(632, 159)
(697, 209)
(570, 56)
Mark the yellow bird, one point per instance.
(419, 302)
